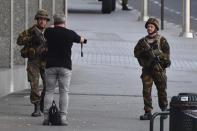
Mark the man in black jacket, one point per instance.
(59, 64)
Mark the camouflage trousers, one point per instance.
(160, 80)
(124, 2)
(35, 69)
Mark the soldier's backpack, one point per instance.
(54, 114)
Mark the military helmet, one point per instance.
(153, 21)
(41, 13)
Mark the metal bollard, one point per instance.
(162, 14)
(186, 32)
(144, 11)
(161, 120)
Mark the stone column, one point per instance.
(48, 5)
(66, 10)
(5, 33)
(186, 32)
(33, 8)
(53, 7)
(40, 4)
(59, 6)
(19, 20)
(144, 11)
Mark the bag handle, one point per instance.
(53, 103)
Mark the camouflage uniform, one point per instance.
(152, 74)
(124, 2)
(36, 62)
(125, 5)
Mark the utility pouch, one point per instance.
(24, 52)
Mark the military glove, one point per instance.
(166, 63)
(24, 52)
(27, 40)
(31, 52)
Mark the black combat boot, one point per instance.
(146, 116)
(125, 7)
(164, 116)
(37, 111)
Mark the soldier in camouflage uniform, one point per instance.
(153, 70)
(36, 59)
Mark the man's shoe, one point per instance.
(46, 119)
(146, 116)
(64, 121)
(45, 122)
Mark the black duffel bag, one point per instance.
(54, 114)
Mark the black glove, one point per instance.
(85, 41)
(166, 63)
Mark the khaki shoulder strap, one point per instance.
(158, 39)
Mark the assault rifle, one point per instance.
(155, 60)
(42, 41)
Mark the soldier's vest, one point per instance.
(34, 50)
(147, 61)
